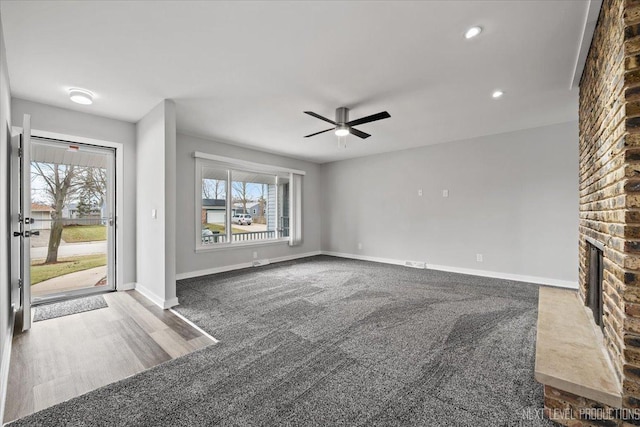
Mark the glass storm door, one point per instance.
(23, 229)
(69, 211)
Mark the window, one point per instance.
(214, 205)
(243, 203)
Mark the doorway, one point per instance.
(67, 220)
(72, 203)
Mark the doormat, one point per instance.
(66, 308)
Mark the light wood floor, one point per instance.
(68, 356)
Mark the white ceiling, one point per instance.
(243, 72)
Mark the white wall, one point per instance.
(5, 239)
(191, 263)
(513, 198)
(60, 120)
(156, 168)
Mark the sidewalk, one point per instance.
(77, 280)
(72, 249)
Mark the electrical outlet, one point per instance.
(479, 257)
(445, 193)
(420, 192)
(415, 264)
(359, 246)
(255, 255)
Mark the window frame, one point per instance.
(230, 164)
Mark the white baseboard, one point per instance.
(127, 287)
(170, 303)
(364, 258)
(483, 273)
(205, 272)
(4, 364)
(507, 276)
(160, 302)
(296, 256)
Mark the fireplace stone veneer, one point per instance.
(609, 190)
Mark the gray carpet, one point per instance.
(65, 308)
(327, 341)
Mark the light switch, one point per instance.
(445, 193)
(154, 213)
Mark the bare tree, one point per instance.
(61, 185)
(212, 188)
(263, 203)
(92, 189)
(93, 184)
(241, 194)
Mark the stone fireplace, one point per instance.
(606, 312)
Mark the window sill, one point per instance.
(224, 246)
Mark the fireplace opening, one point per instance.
(594, 283)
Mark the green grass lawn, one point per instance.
(220, 228)
(41, 272)
(84, 233)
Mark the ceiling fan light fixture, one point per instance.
(81, 96)
(342, 126)
(472, 32)
(342, 130)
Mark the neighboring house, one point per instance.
(256, 210)
(95, 217)
(238, 208)
(41, 215)
(213, 211)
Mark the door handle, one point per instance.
(26, 233)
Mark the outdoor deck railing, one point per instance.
(245, 237)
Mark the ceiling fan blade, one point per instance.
(318, 116)
(371, 118)
(358, 133)
(318, 133)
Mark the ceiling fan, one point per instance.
(343, 126)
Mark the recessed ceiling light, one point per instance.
(81, 96)
(497, 94)
(472, 32)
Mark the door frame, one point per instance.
(119, 189)
(110, 152)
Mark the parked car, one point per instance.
(242, 219)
